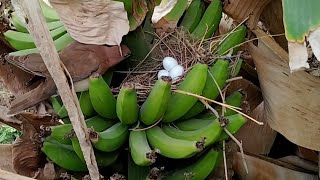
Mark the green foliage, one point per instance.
(8, 134)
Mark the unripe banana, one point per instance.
(59, 43)
(234, 99)
(97, 123)
(111, 139)
(127, 104)
(193, 124)
(48, 12)
(85, 104)
(171, 147)
(193, 15)
(177, 11)
(232, 40)
(200, 169)
(21, 41)
(56, 105)
(64, 156)
(234, 123)
(180, 104)
(210, 133)
(63, 113)
(209, 21)
(140, 150)
(220, 73)
(102, 99)
(103, 159)
(156, 104)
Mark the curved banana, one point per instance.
(97, 123)
(193, 124)
(234, 99)
(232, 41)
(64, 156)
(111, 139)
(209, 21)
(103, 159)
(102, 99)
(127, 104)
(171, 147)
(85, 104)
(220, 73)
(56, 105)
(200, 169)
(177, 11)
(156, 104)
(48, 12)
(235, 122)
(179, 104)
(193, 15)
(140, 150)
(59, 43)
(210, 133)
(21, 41)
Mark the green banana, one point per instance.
(210, 133)
(63, 113)
(21, 27)
(180, 104)
(200, 169)
(232, 41)
(107, 76)
(193, 15)
(102, 99)
(235, 122)
(156, 104)
(140, 150)
(110, 139)
(171, 147)
(234, 99)
(193, 124)
(209, 21)
(103, 159)
(85, 104)
(127, 104)
(177, 11)
(56, 105)
(220, 73)
(48, 12)
(59, 43)
(97, 123)
(64, 156)
(235, 70)
(21, 41)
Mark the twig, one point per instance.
(146, 128)
(31, 12)
(240, 146)
(225, 159)
(211, 108)
(234, 79)
(219, 103)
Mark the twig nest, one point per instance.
(169, 63)
(163, 73)
(176, 72)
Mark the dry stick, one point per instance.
(31, 11)
(219, 103)
(234, 79)
(210, 107)
(225, 159)
(146, 128)
(240, 146)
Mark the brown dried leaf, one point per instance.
(93, 21)
(162, 10)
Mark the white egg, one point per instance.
(169, 63)
(163, 73)
(176, 72)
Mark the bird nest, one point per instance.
(177, 44)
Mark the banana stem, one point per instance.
(236, 109)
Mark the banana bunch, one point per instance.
(20, 39)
